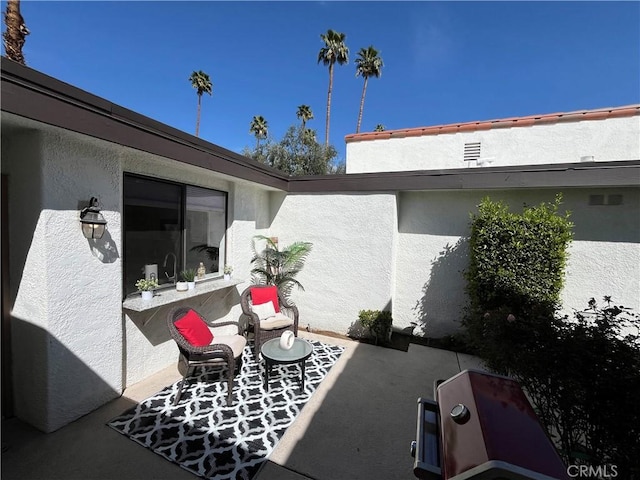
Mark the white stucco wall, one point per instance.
(66, 318)
(607, 140)
(74, 347)
(368, 257)
(351, 265)
(433, 252)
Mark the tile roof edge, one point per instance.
(526, 121)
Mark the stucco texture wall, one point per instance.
(607, 140)
(65, 318)
(433, 252)
(74, 348)
(351, 265)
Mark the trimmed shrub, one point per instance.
(582, 374)
(517, 260)
(377, 322)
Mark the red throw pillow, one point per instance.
(194, 329)
(260, 295)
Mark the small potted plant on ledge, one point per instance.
(189, 276)
(146, 287)
(228, 269)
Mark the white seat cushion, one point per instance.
(236, 342)
(279, 320)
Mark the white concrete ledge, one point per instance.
(171, 295)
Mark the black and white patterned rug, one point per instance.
(209, 439)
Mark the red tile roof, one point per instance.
(598, 114)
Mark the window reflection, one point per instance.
(169, 227)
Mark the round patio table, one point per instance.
(274, 354)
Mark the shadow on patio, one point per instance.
(358, 424)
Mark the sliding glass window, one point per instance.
(170, 227)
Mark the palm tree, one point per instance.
(334, 50)
(259, 128)
(368, 64)
(202, 83)
(379, 128)
(279, 267)
(305, 114)
(14, 35)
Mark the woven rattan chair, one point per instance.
(225, 350)
(264, 330)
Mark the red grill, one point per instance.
(482, 427)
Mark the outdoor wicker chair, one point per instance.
(222, 349)
(272, 327)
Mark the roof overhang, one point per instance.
(592, 174)
(33, 95)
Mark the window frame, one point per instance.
(182, 228)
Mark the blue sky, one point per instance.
(445, 62)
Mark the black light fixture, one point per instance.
(92, 221)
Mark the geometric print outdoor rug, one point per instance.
(209, 439)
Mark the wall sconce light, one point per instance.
(92, 222)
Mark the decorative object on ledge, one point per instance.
(286, 340)
(146, 288)
(182, 286)
(92, 222)
(228, 270)
(202, 271)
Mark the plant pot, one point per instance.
(182, 286)
(147, 295)
(227, 277)
(191, 285)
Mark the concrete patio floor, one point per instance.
(358, 424)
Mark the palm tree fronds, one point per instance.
(274, 266)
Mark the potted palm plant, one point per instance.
(275, 266)
(146, 288)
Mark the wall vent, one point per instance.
(471, 151)
(613, 199)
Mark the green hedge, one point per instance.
(377, 322)
(582, 375)
(517, 260)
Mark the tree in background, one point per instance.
(298, 153)
(305, 114)
(334, 50)
(202, 83)
(379, 128)
(368, 64)
(14, 35)
(259, 128)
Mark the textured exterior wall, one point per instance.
(66, 318)
(21, 161)
(433, 252)
(351, 265)
(72, 340)
(606, 140)
(74, 347)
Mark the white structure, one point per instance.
(380, 241)
(588, 135)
